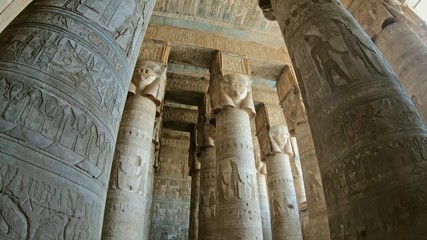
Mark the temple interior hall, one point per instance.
(213, 119)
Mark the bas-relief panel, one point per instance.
(171, 195)
(244, 14)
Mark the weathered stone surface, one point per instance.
(171, 203)
(195, 202)
(9, 9)
(238, 209)
(316, 227)
(371, 159)
(407, 55)
(276, 150)
(297, 173)
(127, 197)
(65, 69)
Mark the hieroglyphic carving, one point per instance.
(174, 114)
(178, 82)
(373, 99)
(171, 202)
(237, 208)
(59, 211)
(266, 96)
(54, 127)
(214, 41)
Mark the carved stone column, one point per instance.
(208, 201)
(287, 89)
(238, 210)
(276, 151)
(193, 232)
(127, 197)
(407, 54)
(297, 173)
(65, 69)
(370, 142)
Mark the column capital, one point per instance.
(272, 131)
(231, 84)
(146, 80)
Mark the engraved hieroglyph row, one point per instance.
(183, 115)
(171, 200)
(65, 70)
(346, 84)
(213, 41)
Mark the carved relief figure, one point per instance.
(127, 173)
(146, 81)
(13, 224)
(220, 182)
(235, 179)
(321, 51)
(212, 204)
(357, 48)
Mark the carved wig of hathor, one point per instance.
(146, 80)
(233, 91)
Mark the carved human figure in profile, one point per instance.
(146, 81)
(233, 91)
(321, 53)
(280, 139)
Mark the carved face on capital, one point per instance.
(145, 74)
(236, 86)
(279, 137)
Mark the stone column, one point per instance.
(370, 141)
(276, 151)
(195, 200)
(407, 54)
(127, 196)
(208, 201)
(262, 185)
(291, 101)
(263, 201)
(297, 173)
(65, 69)
(238, 210)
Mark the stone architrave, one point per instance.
(291, 101)
(193, 233)
(65, 69)
(276, 151)
(262, 190)
(407, 54)
(238, 209)
(370, 141)
(127, 196)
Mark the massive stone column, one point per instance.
(65, 69)
(291, 101)
(407, 54)
(276, 151)
(127, 197)
(193, 232)
(370, 141)
(297, 173)
(237, 211)
(208, 201)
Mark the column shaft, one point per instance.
(285, 222)
(194, 205)
(238, 214)
(208, 201)
(127, 198)
(265, 207)
(370, 141)
(407, 54)
(65, 69)
(317, 215)
(297, 174)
